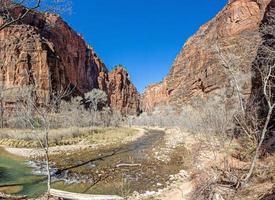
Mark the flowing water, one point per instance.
(17, 178)
(96, 171)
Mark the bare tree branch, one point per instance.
(21, 15)
(9, 17)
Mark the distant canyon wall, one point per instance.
(198, 72)
(46, 52)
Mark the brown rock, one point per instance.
(122, 93)
(197, 71)
(155, 95)
(43, 50)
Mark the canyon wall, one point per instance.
(122, 93)
(200, 70)
(44, 51)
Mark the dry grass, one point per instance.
(70, 136)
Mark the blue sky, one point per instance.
(143, 35)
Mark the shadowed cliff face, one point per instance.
(43, 50)
(264, 60)
(198, 72)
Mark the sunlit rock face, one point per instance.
(122, 93)
(45, 51)
(198, 72)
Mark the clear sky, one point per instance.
(143, 35)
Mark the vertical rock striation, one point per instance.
(122, 93)
(45, 52)
(198, 73)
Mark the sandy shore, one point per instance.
(27, 152)
(33, 152)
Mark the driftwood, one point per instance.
(127, 165)
(77, 196)
(10, 197)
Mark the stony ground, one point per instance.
(164, 155)
(202, 159)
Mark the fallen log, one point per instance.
(127, 165)
(78, 196)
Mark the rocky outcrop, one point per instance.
(198, 72)
(45, 52)
(155, 95)
(122, 93)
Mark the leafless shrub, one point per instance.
(37, 117)
(201, 117)
(257, 114)
(95, 99)
(265, 68)
(163, 116)
(234, 62)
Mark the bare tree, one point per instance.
(2, 108)
(96, 99)
(6, 7)
(255, 119)
(233, 61)
(10, 17)
(230, 66)
(257, 113)
(268, 78)
(38, 118)
(264, 67)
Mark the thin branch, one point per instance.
(21, 16)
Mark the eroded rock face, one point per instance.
(44, 51)
(198, 71)
(155, 95)
(123, 94)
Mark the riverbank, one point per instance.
(116, 167)
(82, 138)
(153, 163)
(214, 170)
(181, 184)
(150, 161)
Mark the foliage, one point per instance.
(96, 99)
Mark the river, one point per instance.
(96, 172)
(16, 176)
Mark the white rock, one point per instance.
(217, 196)
(150, 193)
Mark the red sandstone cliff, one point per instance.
(122, 93)
(43, 50)
(197, 71)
